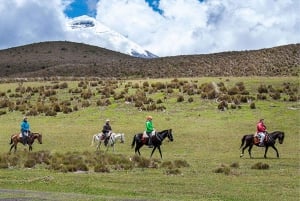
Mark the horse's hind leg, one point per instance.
(11, 147)
(249, 150)
(242, 154)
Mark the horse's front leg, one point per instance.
(277, 153)
(15, 148)
(154, 150)
(98, 146)
(266, 150)
(30, 147)
(159, 151)
(113, 145)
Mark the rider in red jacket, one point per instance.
(261, 131)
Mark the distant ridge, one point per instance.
(62, 58)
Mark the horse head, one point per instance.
(170, 135)
(122, 138)
(38, 137)
(279, 135)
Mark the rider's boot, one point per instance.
(24, 141)
(150, 142)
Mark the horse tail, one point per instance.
(133, 141)
(11, 139)
(243, 141)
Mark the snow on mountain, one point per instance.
(87, 30)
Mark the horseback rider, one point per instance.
(25, 130)
(261, 131)
(107, 130)
(149, 130)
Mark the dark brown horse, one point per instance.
(269, 142)
(139, 140)
(15, 139)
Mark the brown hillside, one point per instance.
(76, 59)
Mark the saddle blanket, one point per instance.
(145, 134)
(26, 134)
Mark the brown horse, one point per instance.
(15, 139)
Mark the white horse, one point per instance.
(114, 137)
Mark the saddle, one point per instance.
(27, 134)
(145, 136)
(256, 139)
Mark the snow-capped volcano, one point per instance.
(87, 30)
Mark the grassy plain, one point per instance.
(204, 136)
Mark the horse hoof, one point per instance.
(241, 155)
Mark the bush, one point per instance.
(262, 89)
(260, 166)
(30, 163)
(101, 168)
(180, 98)
(252, 105)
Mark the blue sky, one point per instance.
(163, 27)
(85, 7)
(81, 7)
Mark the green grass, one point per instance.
(206, 138)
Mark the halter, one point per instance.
(160, 138)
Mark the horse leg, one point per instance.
(137, 149)
(98, 146)
(159, 151)
(11, 147)
(249, 150)
(242, 154)
(152, 151)
(113, 147)
(266, 150)
(277, 153)
(15, 148)
(30, 148)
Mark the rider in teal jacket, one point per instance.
(25, 129)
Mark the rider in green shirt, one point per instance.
(149, 130)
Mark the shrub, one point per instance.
(275, 96)
(252, 105)
(181, 163)
(30, 163)
(173, 172)
(50, 113)
(180, 98)
(262, 89)
(101, 168)
(260, 166)
(2, 112)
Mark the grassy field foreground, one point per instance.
(206, 138)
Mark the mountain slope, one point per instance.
(77, 59)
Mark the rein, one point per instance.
(159, 137)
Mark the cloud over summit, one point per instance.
(172, 27)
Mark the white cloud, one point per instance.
(184, 27)
(192, 27)
(27, 21)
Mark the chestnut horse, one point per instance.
(16, 138)
(139, 140)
